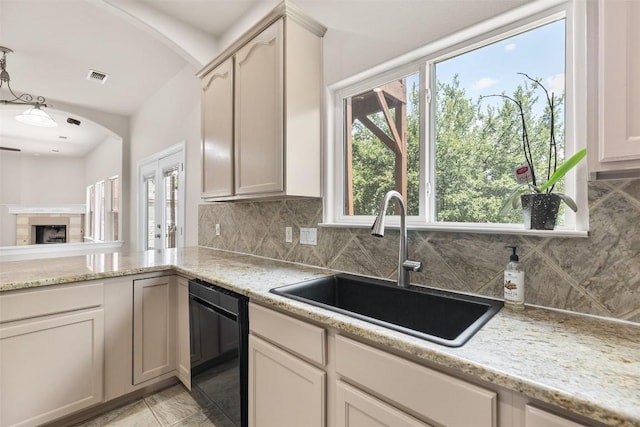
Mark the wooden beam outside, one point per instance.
(348, 179)
(401, 158)
(379, 133)
(395, 136)
(396, 90)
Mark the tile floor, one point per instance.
(210, 403)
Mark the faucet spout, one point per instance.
(377, 229)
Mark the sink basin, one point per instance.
(443, 317)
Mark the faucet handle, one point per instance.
(412, 265)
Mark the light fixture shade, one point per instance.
(36, 117)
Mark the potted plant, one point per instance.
(536, 196)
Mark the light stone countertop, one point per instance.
(584, 364)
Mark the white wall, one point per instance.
(365, 33)
(104, 161)
(170, 116)
(41, 180)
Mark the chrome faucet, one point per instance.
(377, 229)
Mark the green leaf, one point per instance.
(569, 201)
(513, 201)
(564, 169)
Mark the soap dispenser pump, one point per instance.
(514, 281)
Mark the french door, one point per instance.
(161, 200)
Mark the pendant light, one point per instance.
(33, 116)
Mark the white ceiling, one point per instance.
(57, 42)
(141, 44)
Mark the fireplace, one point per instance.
(48, 224)
(45, 234)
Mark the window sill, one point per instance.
(482, 229)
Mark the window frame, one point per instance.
(423, 60)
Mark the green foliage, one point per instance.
(478, 147)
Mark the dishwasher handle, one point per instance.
(214, 308)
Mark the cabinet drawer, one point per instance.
(358, 409)
(428, 393)
(47, 300)
(535, 417)
(304, 339)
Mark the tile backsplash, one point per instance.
(596, 275)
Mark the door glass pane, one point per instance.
(150, 209)
(170, 177)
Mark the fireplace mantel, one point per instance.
(71, 209)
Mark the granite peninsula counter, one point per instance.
(587, 365)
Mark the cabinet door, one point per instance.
(217, 131)
(431, 394)
(355, 408)
(51, 366)
(283, 390)
(535, 417)
(153, 327)
(619, 61)
(259, 153)
(183, 353)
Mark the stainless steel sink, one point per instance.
(443, 317)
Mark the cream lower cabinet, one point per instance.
(287, 385)
(355, 408)
(154, 327)
(430, 395)
(51, 352)
(302, 374)
(535, 417)
(140, 311)
(284, 390)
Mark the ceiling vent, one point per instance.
(97, 76)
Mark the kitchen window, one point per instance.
(91, 212)
(114, 207)
(437, 130)
(99, 211)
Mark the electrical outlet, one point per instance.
(217, 229)
(288, 234)
(308, 236)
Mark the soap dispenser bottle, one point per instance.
(514, 282)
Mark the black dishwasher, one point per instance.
(219, 326)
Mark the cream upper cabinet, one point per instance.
(217, 131)
(259, 110)
(276, 114)
(51, 352)
(618, 45)
(153, 327)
